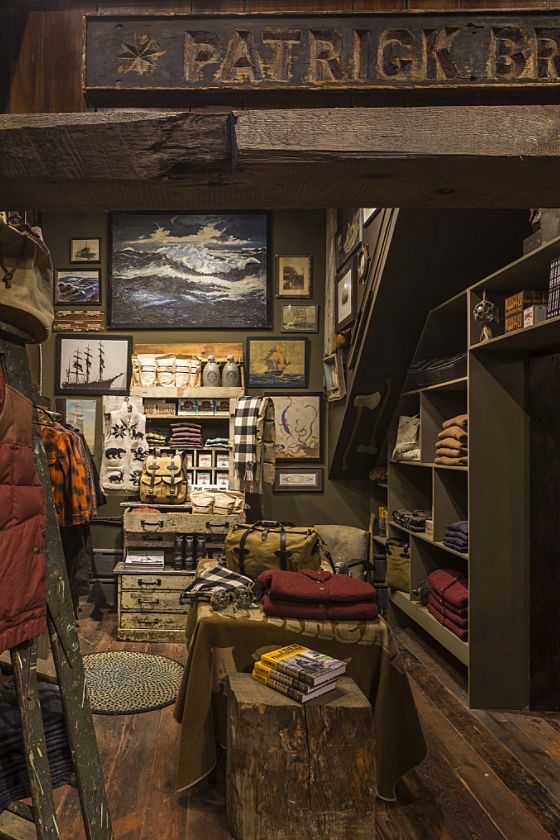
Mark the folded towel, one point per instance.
(443, 612)
(451, 585)
(461, 634)
(357, 611)
(462, 420)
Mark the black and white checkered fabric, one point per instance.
(245, 437)
(214, 579)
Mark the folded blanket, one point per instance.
(446, 461)
(356, 611)
(451, 585)
(462, 420)
(436, 599)
(461, 634)
(309, 586)
(442, 612)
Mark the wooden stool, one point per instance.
(299, 770)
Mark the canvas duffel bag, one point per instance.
(26, 278)
(397, 554)
(251, 549)
(163, 479)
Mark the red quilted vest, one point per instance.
(23, 608)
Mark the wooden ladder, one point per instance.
(15, 822)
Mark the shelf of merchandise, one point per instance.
(166, 392)
(192, 415)
(494, 492)
(422, 616)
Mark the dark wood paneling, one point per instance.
(27, 89)
(63, 62)
(544, 399)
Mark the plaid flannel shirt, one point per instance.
(70, 482)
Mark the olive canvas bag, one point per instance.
(251, 549)
(397, 554)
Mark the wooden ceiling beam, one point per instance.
(468, 156)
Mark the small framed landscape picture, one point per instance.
(93, 364)
(77, 287)
(85, 250)
(294, 277)
(277, 362)
(346, 295)
(300, 317)
(298, 480)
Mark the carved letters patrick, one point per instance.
(321, 52)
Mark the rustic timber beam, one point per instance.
(120, 146)
(439, 157)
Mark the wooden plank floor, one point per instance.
(488, 775)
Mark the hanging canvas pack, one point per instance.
(164, 479)
(26, 277)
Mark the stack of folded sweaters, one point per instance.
(318, 595)
(457, 536)
(218, 443)
(186, 435)
(14, 779)
(155, 440)
(452, 447)
(448, 600)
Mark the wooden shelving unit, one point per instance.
(507, 653)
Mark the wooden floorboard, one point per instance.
(488, 775)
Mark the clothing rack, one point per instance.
(67, 660)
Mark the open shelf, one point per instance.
(164, 391)
(459, 384)
(429, 466)
(192, 415)
(542, 336)
(422, 616)
(531, 271)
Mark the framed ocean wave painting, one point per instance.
(198, 271)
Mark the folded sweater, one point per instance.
(452, 443)
(461, 527)
(443, 612)
(461, 420)
(450, 585)
(310, 586)
(460, 633)
(447, 461)
(436, 599)
(453, 433)
(349, 611)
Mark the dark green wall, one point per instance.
(293, 232)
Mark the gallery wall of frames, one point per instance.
(266, 293)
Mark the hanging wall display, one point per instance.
(85, 250)
(79, 320)
(300, 317)
(333, 373)
(204, 271)
(81, 415)
(298, 427)
(294, 277)
(346, 296)
(77, 287)
(298, 480)
(277, 362)
(93, 364)
(348, 234)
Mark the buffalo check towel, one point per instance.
(245, 437)
(211, 580)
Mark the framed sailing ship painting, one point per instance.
(93, 364)
(277, 362)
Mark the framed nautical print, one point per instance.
(277, 362)
(89, 363)
(81, 415)
(349, 233)
(300, 317)
(294, 277)
(85, 250)
(346, 294)
(198, 271)
(298, 426)
(77, 287)
(298, 480)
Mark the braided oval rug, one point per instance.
(126, 683)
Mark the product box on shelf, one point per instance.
(553, 306)
(154, 406)
(534, 314)
(514, 306)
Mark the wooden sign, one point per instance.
(321, 52)
(79, 320)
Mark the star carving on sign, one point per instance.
(141, 55)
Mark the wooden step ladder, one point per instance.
(16, 822)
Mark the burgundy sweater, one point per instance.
(310, 586)
(451, 608)
(333, 611)
(443, 612)
(451, 586)
(458, 631)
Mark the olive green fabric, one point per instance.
(398, 567)
(219, 645)
(262, 546)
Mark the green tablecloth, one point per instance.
(219, 645)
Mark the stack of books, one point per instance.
(137, 561)
(298, 672)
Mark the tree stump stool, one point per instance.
(304, 771)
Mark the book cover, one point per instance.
(268, 672)
(292, 693)
(307, 665)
